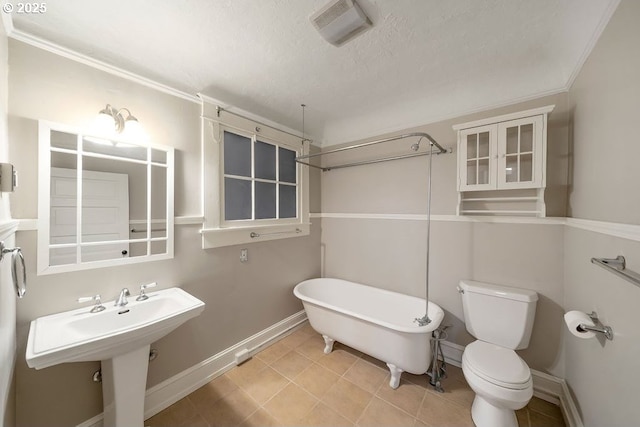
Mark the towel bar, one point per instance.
(618, 266)
(16, 254)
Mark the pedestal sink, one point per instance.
(120, 338)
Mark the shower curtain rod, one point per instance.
(433, 142)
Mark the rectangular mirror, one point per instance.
(101, 202)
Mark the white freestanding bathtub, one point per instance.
(377, 322)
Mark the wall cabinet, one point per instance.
(503, 153)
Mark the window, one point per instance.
(260, 179)
(253, 188)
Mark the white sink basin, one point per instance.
(81, 336)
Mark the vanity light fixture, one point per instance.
(110, 119)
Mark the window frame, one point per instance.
(219, 232)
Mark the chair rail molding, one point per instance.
(615, 229)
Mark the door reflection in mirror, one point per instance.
(125, 209)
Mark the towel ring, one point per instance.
(16, 254)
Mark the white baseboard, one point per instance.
(546, 387)
(452, 353)
(93, 422)
(165, 394)
(569, 409)
(171, 390)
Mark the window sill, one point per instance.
(220, 237)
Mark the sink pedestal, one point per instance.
(120, 338)
(124, 381)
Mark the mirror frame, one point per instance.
(44, 203)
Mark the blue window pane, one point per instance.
(265, 200)
(265, 160)
(237, 199)
(237, 154)
(287, 163)
(287, 203)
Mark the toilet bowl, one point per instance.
(501, 381)
(501, 318)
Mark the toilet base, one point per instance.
(485, 414)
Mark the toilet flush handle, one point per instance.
(460, 290)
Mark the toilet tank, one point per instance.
(501, 315)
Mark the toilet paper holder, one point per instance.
(598, 327)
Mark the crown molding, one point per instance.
(403, 127)
(372, 133)
(505, 117)
(322, 142)
(56, 49)
(592, 42)
(119, 72)
(7, 22)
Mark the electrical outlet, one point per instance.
(244, 255)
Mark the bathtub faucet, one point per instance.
(422, 321)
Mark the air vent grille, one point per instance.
(340, 21)
(332, 13)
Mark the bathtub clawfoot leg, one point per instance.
(328, 344)
(396, 372)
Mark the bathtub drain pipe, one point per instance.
(438, 365)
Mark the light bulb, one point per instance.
(133, 130)
(104, 124)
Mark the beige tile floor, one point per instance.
(293, 383)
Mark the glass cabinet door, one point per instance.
(518, 153)
(477, 160)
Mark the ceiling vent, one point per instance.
(340, 21)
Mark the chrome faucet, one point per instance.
(122, 299)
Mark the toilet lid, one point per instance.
(498, 365)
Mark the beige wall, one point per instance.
(605, 104)
(7, 294)
(592, 153)
(241, 298)
(590, 162)
(5, 213)
(399, 186)
(603, 376)
(390, 253)
(605, 101)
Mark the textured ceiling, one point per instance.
(423, 60)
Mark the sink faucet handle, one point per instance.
(96, 308)
(142, 295)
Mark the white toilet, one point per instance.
(501, 318)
